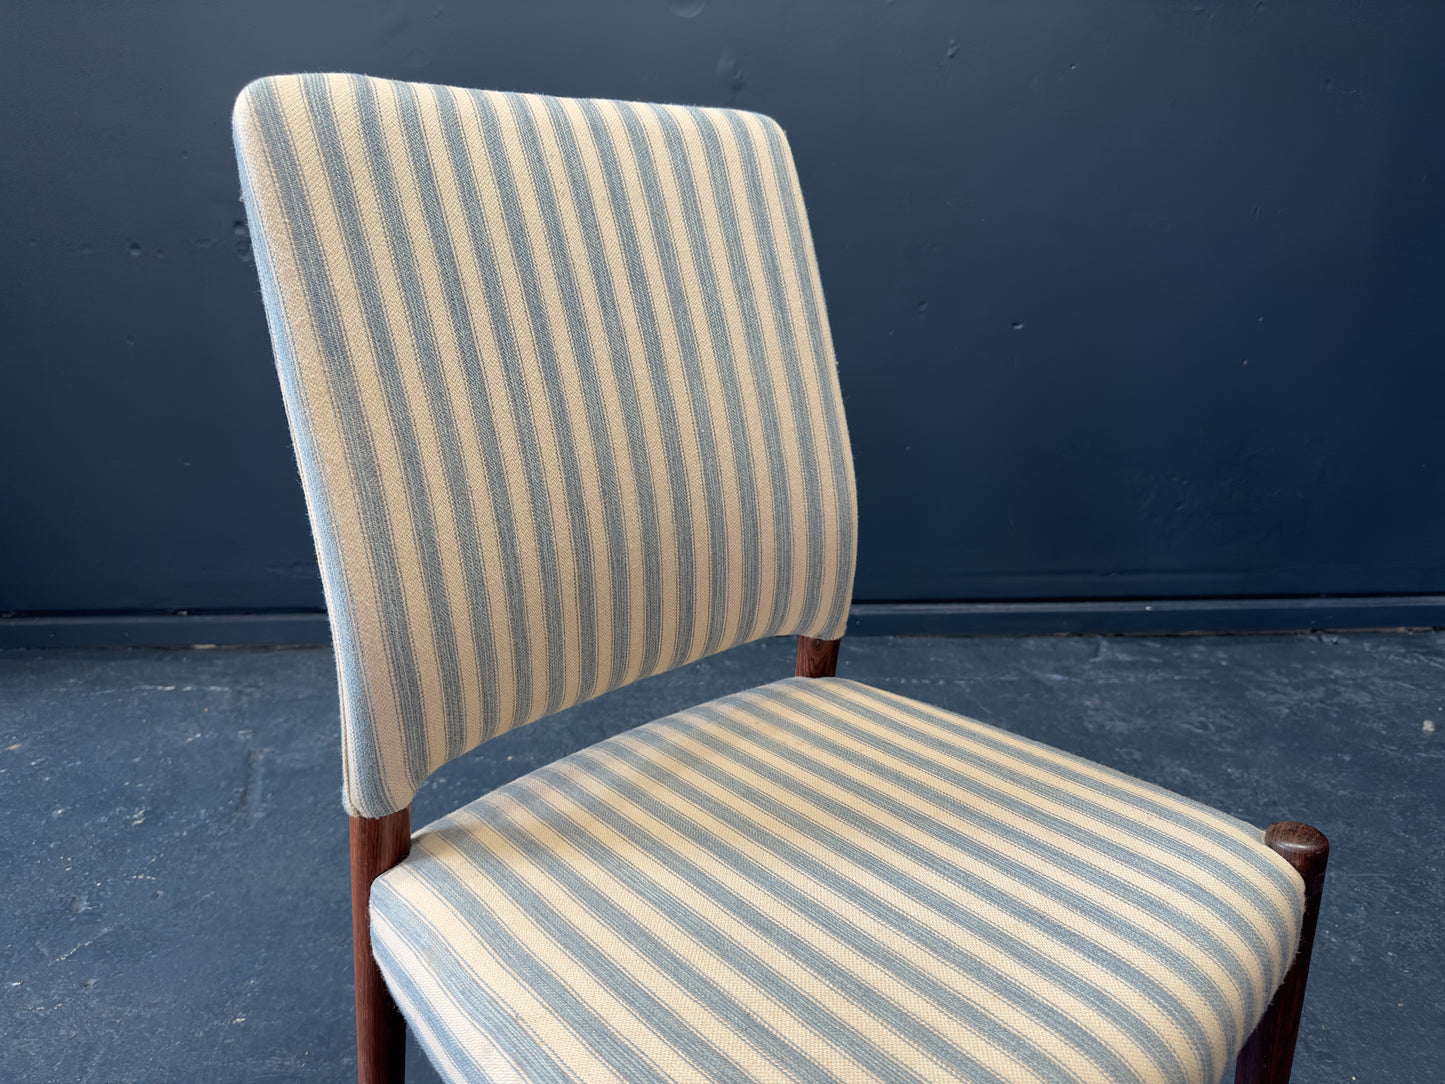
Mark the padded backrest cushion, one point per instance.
(562, 391)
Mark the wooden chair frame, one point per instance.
(378, 844)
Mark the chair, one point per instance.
(563, 397)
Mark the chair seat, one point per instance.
(816, 880)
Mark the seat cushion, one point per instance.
(816, 880)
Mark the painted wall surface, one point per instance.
(1138, 298)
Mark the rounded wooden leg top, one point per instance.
(1301, 845)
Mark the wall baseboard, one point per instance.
(165, 630)
(1145, 617)
(1163, 617)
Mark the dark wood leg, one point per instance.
(377, 844)
(1269, 1053)
(816, 658)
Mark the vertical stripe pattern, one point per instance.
(817, 881)
(563, 397)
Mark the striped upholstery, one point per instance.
(817, 881)
(562, 392)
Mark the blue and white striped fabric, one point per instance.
(818, 881)
(562, 391)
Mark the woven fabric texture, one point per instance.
(562, 392)
(818, 881)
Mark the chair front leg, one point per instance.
(1269, 1053)
(377, 844)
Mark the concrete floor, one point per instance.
(175, 900)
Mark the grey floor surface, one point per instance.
(174, 904)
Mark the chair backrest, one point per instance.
(562, 391)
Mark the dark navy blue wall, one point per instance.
(1132, 299)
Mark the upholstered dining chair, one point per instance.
(563, 397)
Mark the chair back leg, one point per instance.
(377, 844)
(1269, 1053)
(816, 658)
